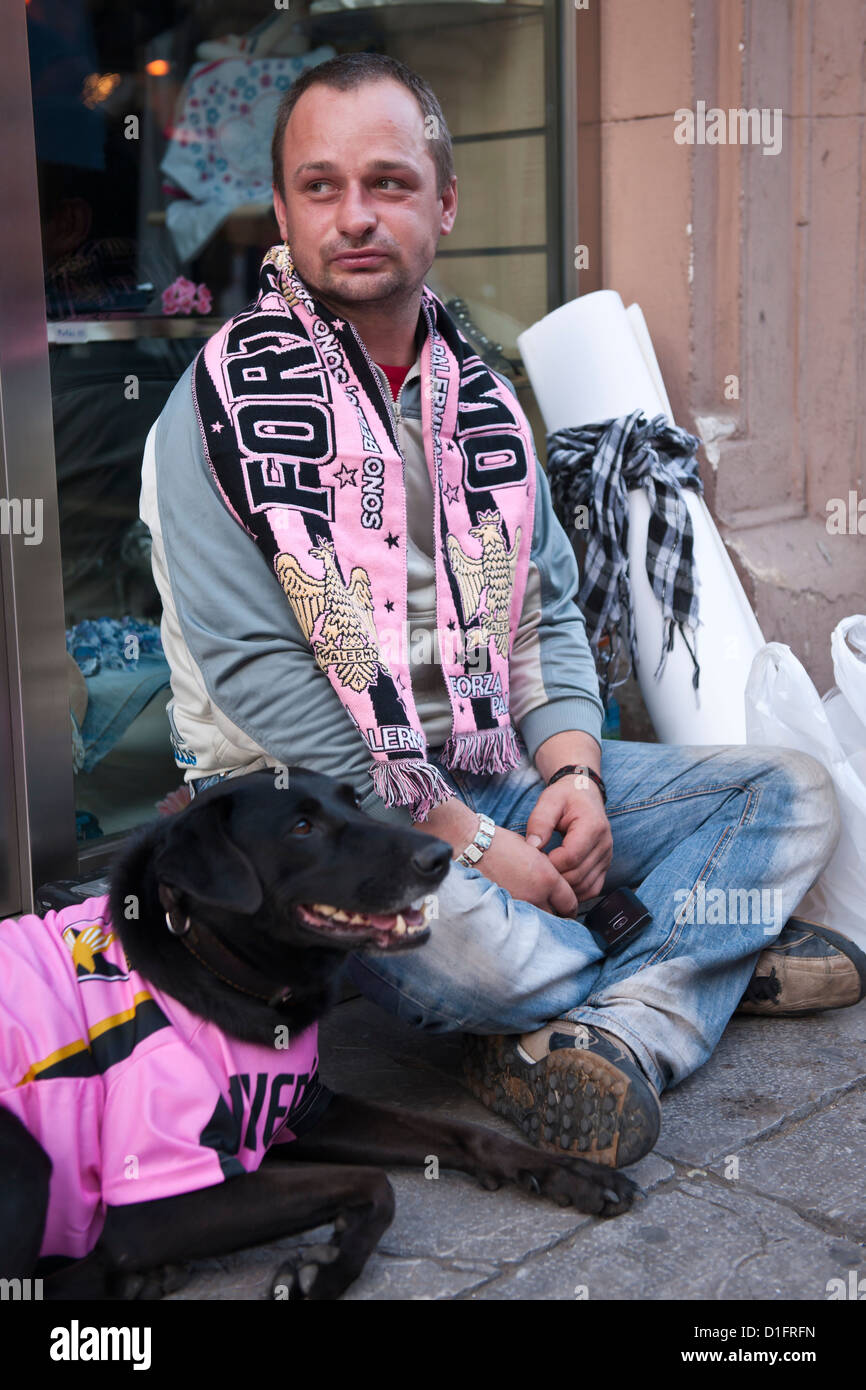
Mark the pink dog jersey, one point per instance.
(132, 1096)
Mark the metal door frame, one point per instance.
(40, 801)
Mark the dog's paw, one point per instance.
(573, 1182)
(297, 1279)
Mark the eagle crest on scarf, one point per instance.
(335, 618)
(486, 582)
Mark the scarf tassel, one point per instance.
(410, 782)
(483, 750)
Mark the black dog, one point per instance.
(235, 918)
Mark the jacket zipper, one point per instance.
(387, 397)
(398, 418)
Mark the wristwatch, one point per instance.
(582, 771)
(482, 841)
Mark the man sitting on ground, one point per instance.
(338, 471)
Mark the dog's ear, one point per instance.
(199, 858)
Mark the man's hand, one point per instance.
(574, 807)
(518, 867)
(527, 874)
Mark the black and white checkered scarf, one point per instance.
(593, 467)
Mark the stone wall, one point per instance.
(749, 268)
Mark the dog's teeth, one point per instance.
(324, 909)
(340, 915)
(357, 917)
(400, 927)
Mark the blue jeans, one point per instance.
(758, 824)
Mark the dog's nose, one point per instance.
(431, 861)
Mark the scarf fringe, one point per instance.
(484, 750)
(410, 782)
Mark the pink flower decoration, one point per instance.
(185, 297)
(204, 300)
(186, 292)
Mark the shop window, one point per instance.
(153, 127)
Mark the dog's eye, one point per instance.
(301, 827)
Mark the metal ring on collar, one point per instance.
(176, 931)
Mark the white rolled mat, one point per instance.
(592, 360)
(634, 313)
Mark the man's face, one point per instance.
(359, 177)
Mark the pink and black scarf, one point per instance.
(302, 443)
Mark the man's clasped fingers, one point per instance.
(586, 851)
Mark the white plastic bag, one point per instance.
(783, 708)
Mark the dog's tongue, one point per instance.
(412, 916)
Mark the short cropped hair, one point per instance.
(351, 70)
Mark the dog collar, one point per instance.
(216, 957)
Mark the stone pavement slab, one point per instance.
(785, 1098)
(764, 1072)
(690, 1242)
(817, 1167)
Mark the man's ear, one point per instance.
(280, 212)
(200, 859)
(449, 206)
